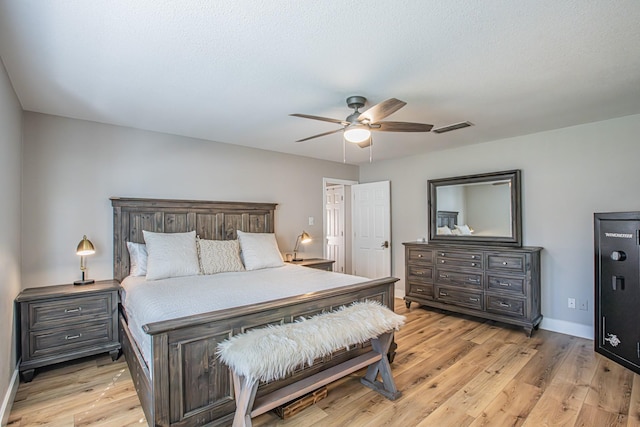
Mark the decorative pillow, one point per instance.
(259, 250)
(218, 256)
(464, 229)
(137, 259)
(444, 230)
(171, 255)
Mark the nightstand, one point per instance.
(65, 322)
(318, 263)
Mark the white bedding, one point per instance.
(152, 301)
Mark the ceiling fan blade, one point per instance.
(381, 110)
(365, 143)
(320, 134)
(324, 119)
(401, 127)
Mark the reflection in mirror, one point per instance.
(476, 209)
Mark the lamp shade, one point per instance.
(85, 247)
(305, 238)
(357, 133)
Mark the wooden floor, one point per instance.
(452, 371)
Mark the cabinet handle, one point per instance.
(444, 294)
(419, 290)
(473, 257)
(420, 273)
(444, 276)
(73, 310)
(420, 255)
(442, 254)
(507, 284)
(502, 304)
(504, 263)
(443, 262)
(72, 337)
(474, 279)
(473, 264)
(474, 299)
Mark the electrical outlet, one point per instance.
(583, 305)
(311, 220)
(571, 303)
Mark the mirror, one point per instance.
(476, 209)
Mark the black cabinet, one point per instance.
(617, 287)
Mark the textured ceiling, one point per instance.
(231, 71)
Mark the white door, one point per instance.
(372, 229)
(335, 227)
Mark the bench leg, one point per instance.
(245, 392)
(388, 386)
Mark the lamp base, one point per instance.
(297, 259)
(84, 282)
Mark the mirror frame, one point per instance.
(514, 176)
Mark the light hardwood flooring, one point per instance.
(452, 371)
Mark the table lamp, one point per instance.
(85, 247)
(303, 238)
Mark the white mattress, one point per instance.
(152, 301)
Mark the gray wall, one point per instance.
(72, 167)
(10, 170)
(568, 174)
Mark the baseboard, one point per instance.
(569, 328)
(9, 397)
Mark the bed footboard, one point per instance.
(187, 384)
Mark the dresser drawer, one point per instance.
(50, 313)
(510, 262)
(421, 290)
(514, 285)
(461, 255)
(420, 256)
(460, 297)
(475, 264)
(61, 340)
(508, 306)
(420, 272)
(459, 278)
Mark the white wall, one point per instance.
(72, 167)
(10, 170)
(568, 174)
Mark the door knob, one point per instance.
(385, 244)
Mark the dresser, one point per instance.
(496, 283)
(65, 322)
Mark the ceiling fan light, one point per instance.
(357, 134)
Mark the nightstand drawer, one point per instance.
(421, 290)
(508, 306)
(55, 341)
(51, 313)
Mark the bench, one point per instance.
(273, 352)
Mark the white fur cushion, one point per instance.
(137, 259)
(259, 250)
(218, 256)
(171, 255)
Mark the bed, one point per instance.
(180, 381)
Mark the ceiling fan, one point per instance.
(357, 127)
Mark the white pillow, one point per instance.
(137, 259)
(218, 256)
(259, 250)
(444, 230)
(171, 255)
(464, 229)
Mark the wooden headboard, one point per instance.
(210, 220)
(448, 218)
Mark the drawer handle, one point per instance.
(420, 273)
(419, 290)
(443, 262)
(444, 276)
(474, 264)
(442, 254)
(73, 310)
(444, 294)
(474, 299)
(504, 263)
(72, 337)
(507, 284)
(420, 255)
(473, 257)
(502, 304)
(474, 279)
